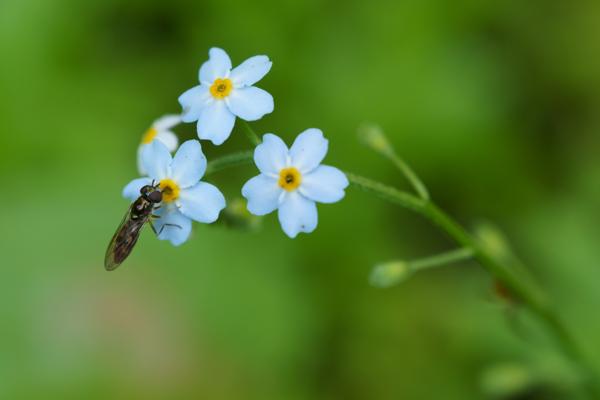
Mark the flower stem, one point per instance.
(439, 260)
(229, 160)
(250, 134)
(412, 177)
(374, 137)
(523, 289)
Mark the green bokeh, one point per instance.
(495, 104)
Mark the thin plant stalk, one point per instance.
(519, 286)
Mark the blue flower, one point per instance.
(291, 181)
(185, 197)
(160, 130)
(225, 93)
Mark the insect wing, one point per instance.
(123, 241)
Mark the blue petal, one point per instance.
(324, 184)
(156, 160)
(169, 139)
(132, 190)
(251, 71)
(217, 66)
(271, 155)
(193, 101)
(297, 214)
(250, 103)
(215, 123)
(202, 202)
(140, 162)
(167, 122)
(308, 150)
(262, 193)
(189, 164)
(172, 225)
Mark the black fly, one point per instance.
(129, 230)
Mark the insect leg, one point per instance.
(153, 228)
(163, 227)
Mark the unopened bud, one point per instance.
(492, 239)
(390, 273)
(236, 215)
(507, 380)
(372, 135)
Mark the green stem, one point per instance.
(250, 134)
(373, 136)
(439, 260)
(230, 160)
(522, 288)
(410, 175)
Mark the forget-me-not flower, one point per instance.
(224, 94)
(159, 130)
(184, 196)
(291, 181)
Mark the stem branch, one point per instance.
(518, 285)
(439, 260)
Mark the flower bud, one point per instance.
(372, 135)
(493, 240)
(507, 380)
(237, 216)
(390, 273)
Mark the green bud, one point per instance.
(236, 215)
(492, 239)
(390, 273)
(507, 380)
(372, 135)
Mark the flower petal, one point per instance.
(193, 102)
(202, 202)
(189, 164)
(132, 190)
(169, 139)
(140, 160)
(172, 225)
(166, 122)
(217, 66)
(156, 160)
(250, 103)
(215, 123)
(324, 184)
(308, 150)
(271, 155)
(251, 71)
(297, 214)
(262, 193)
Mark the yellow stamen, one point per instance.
(221, 88)
(149, 136)
(170, 190)
(290, 178)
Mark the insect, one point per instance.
(128, 232)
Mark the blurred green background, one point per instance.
(494, 103)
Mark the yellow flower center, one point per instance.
(221, 88)
(170, 190)
(149, 136)
(290, 178)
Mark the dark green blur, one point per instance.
(495, 104)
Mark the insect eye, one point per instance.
(155, 197)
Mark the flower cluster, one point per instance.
(291, 180)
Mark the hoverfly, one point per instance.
(128, 232)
